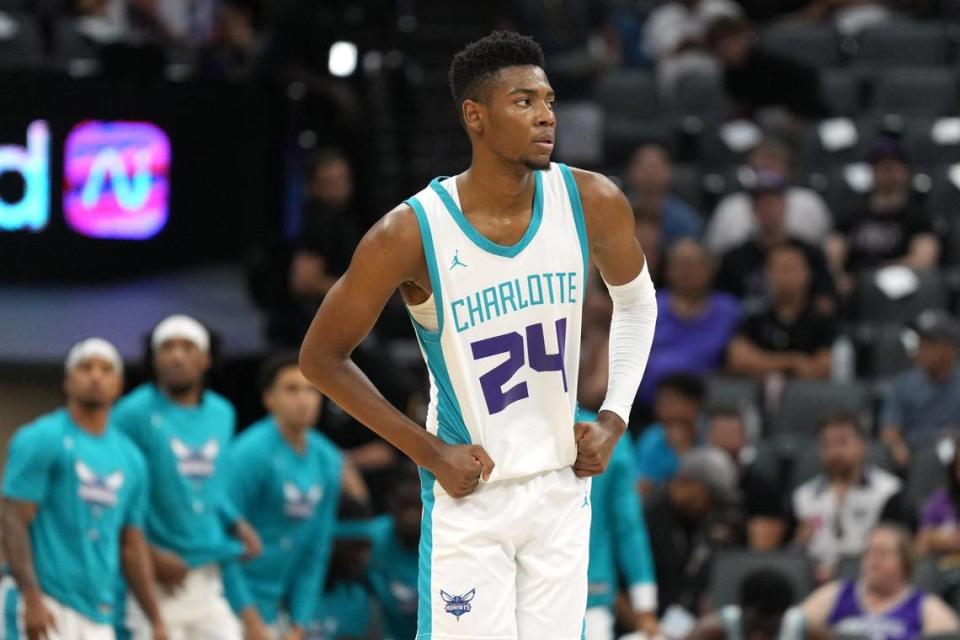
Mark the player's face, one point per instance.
(180, 365)
(94, 383)
(882, 566)
(516, 119)
(351, 557)
(292, 400)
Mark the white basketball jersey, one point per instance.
(504, 355)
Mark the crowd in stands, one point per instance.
(792, 166)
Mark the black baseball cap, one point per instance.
(937, 325)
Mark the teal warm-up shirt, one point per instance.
(291, 499)
(184, 446)
(393, 577)
(87, 489)
(619, 545)
(349, 613)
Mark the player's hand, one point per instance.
(253, 627)
(252, 547)
(595, 443)
(170, 569)
(37, 619)
(458, 468)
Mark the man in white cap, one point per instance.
(182, 429)
(75, 492)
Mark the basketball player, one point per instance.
(492, 265)
(181, 429)
(75, 496)
(285, 479)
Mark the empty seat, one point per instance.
(627, 94)
(920, 91)
(702, 96)
(731, 567)
(927, 473)
(687, 184)
(889, 354)
(805, 403)
(816, 45)
(875, 307)
(840, 91)
(901, 44)
(731, 391)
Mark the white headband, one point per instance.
(184, 327)
(93, 348)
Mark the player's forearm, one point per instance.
(345, 384)
(19, 551)
(138, 571)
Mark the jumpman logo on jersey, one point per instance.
(456, 261)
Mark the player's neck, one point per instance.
(496, 185)
(295, 436)
(184, 397)
(91, 420)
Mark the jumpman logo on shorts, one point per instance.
(456, 260)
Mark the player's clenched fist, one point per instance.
(458, 468)
(595, 443)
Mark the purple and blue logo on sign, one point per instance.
(457, 605)
(117, 180)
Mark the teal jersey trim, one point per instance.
(577, 205)
(426, 239)
(450, 425)
(11, 606)
(480, 240)
(424, 582)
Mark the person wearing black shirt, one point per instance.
(890, 227)
(789, 337)
(743, 269)
(756, 78)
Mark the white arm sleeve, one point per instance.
(631, 334)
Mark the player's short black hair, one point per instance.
(479, 61)
(686, 385)
(273, 365)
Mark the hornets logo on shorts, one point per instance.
(457, 605)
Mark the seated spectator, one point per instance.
(178, 23)
(743, 269)
(648, 188)
(676, 407)
(756, 78)
(939, 532)
(733, 222)
(694, 324)
(836, 509)
(673, 37)
(890, 226)
(882, 604)
(763, 506)
(348, 610)
(689, 521)
(765, 612)
(395, 559)
(101, 21)
(790, 337)
(924, 402)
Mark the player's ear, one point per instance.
(472, 112)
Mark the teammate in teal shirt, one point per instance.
(75, 492)
(183, 432)
(286, 479)
(619, 547)
(394, 564)
(348, 609)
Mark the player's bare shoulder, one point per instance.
(392, 249)
(605, 207)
